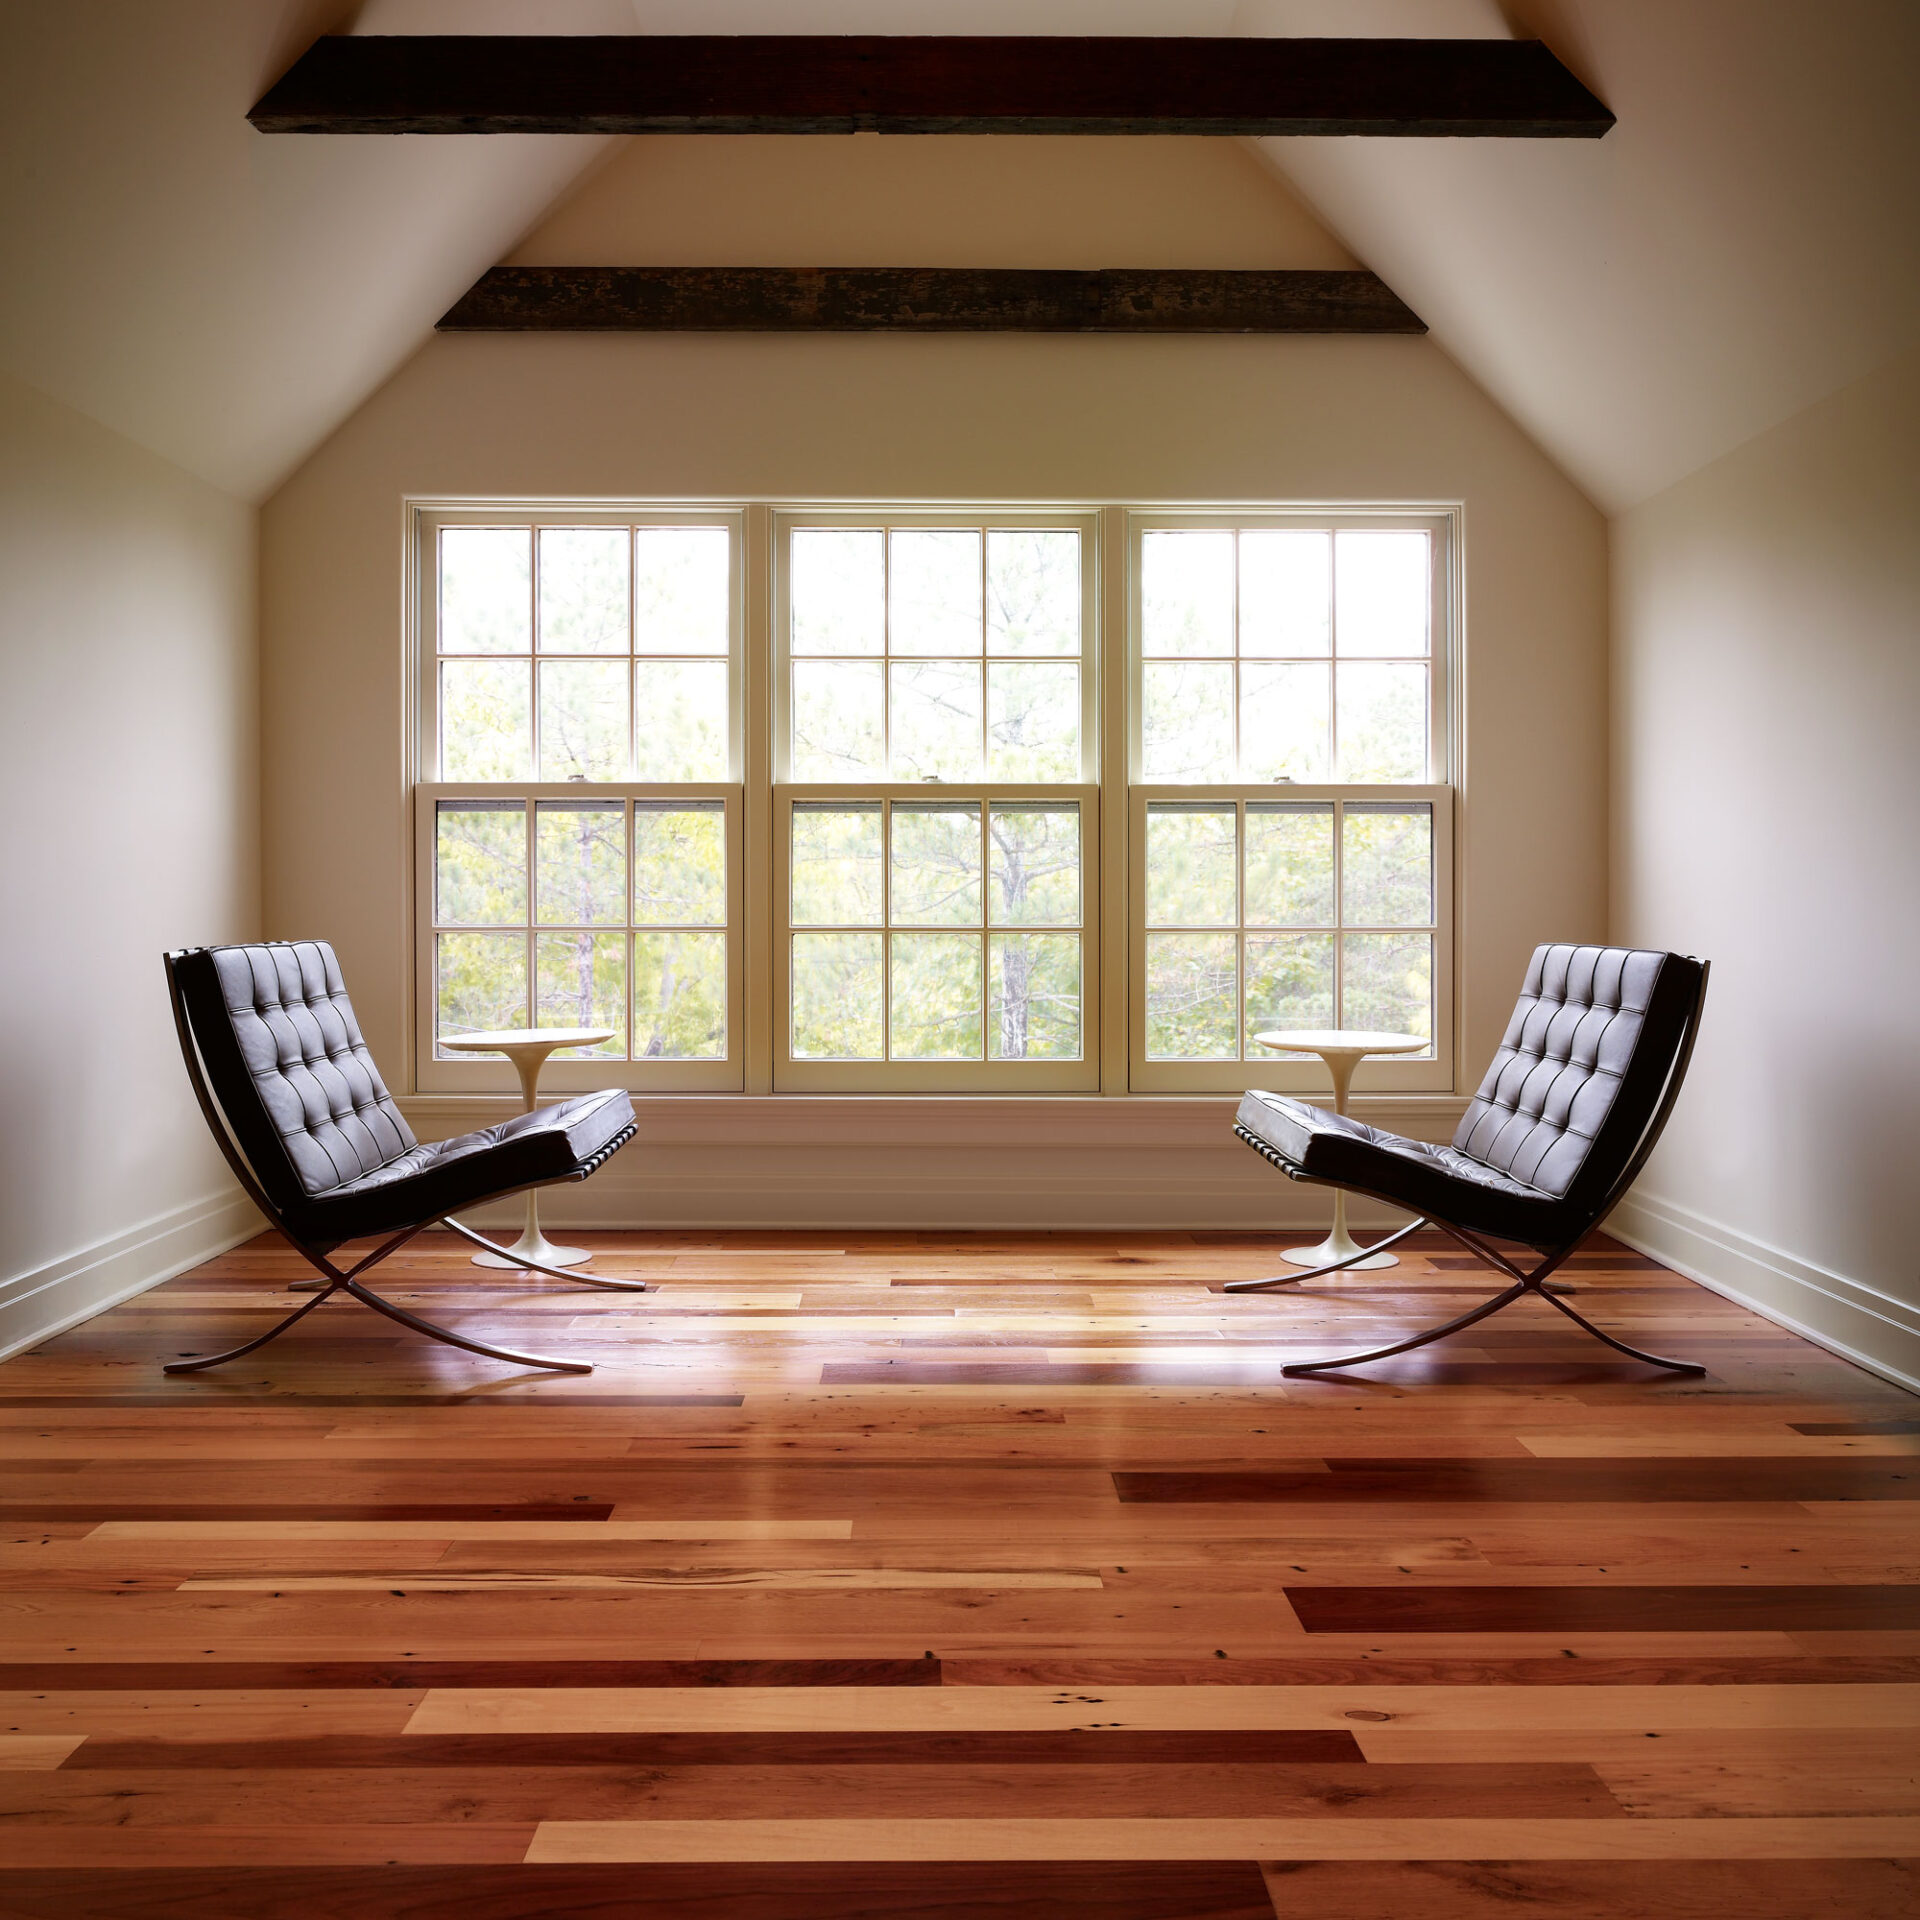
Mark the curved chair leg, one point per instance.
(367, 1297)
(1620, 1346)
(272, 1333)
(572, 1275)
(1480, 1312)
(1334, 1266)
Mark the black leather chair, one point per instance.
(1565, 1119)
(305, 1121)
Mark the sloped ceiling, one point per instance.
(1744, 242)
(1740, 245)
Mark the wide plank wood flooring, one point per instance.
(956, 1576)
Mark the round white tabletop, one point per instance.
(527, 1048)
(1342, 1049)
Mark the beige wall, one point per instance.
(939, 417)
(1767, 814)
(128, 735)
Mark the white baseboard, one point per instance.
(880, 1163)
(1858, 1322)
(49, 1299)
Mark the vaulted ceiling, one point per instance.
(1741, 243)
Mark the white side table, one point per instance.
(1342, 1051)
(527, 1048)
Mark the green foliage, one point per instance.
(935, 1011)
(837, 996)
(680, 996)
(1033, 590)
(480, 982)
(583, 589)
(580, 980)
(1193, 996)
(1192, 854)
(481, 863)
(679, 864)
(1290, 863)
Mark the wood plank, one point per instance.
(1866, 1837)
(37, 1752)
(1156, 300)
(297, 1677)
(1290, 1746)
(754, 83)
(1615, 1609)
(1653, 1481)
(1013, 1708)
(790, 1890)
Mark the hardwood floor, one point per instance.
(955, 1576)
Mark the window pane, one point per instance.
(936, 867)
(1286, 584)
(1290, 863)
(583, 719)
(1033, 591)
(1186, 721)
(480, 984)
(1386, 866)
(679, 996)
(1388, 984)
(935, 589)
(1033, 720)
(836, 866)
(486, 720)
(837, 588)
(580, 980)
(681, 579)
(1033, 996)
(480, 863)
(1382, 584)
(1381, 719)
(583, 589)
(486, 589)
(839, 720)
(1035, 854)
(936, 719)
(1283, 721)
(680, 720)
(580, 862)
(836, 996)
(1193, 997)
(679, 864)
(936, 1013)
(1289, 983)
(1186, 592)
(1191, 855)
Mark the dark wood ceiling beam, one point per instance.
(924, 300)
(758, 83)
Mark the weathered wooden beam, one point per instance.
(760, 83)
(924, 300)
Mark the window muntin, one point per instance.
(1283, 651)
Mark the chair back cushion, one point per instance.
(286, 1061)
(1582, 1067)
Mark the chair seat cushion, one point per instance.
(560, 1142)
(1438, 1181)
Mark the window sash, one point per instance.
(788, 521)
(562, 1075)
(1256, 1066)
(934, 1076)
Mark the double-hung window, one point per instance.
(1290, 843)
(950, 748)
(578, 850)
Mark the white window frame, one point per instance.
(1256, 1066)
(758, 798)
(937, 1076)
(563, 1074)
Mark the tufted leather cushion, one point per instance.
(306, 1103)
(1581, 1068)
(286, 1059)
(1536, 1155)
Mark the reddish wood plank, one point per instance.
(1617, 1609)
